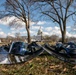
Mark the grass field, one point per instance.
(41, 65)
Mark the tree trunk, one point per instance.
(28, 32)
(28, 36)
(63, 36)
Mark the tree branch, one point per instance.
(70, 14)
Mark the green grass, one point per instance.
(41, 65)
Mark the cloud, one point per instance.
(33, 32)
(68, 27)
(35, 27)
(56, 28)
(2, 34)
(32, 23)
(70, 34)
(0, 29)
(11, 34)
(52, 28)
(24, 32)
(7, 20)
(41, 22)
(56, 31)
(15, 23)
(12, 29)
(48, 29)
(45, 33)
(53, 31)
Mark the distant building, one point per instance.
(39, 35)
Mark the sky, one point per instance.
(47, 27)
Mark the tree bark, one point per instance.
(28, 32)
(28, 36)
(63, 36)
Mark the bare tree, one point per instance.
(22, 10)
(54, 38)
(59, 11)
